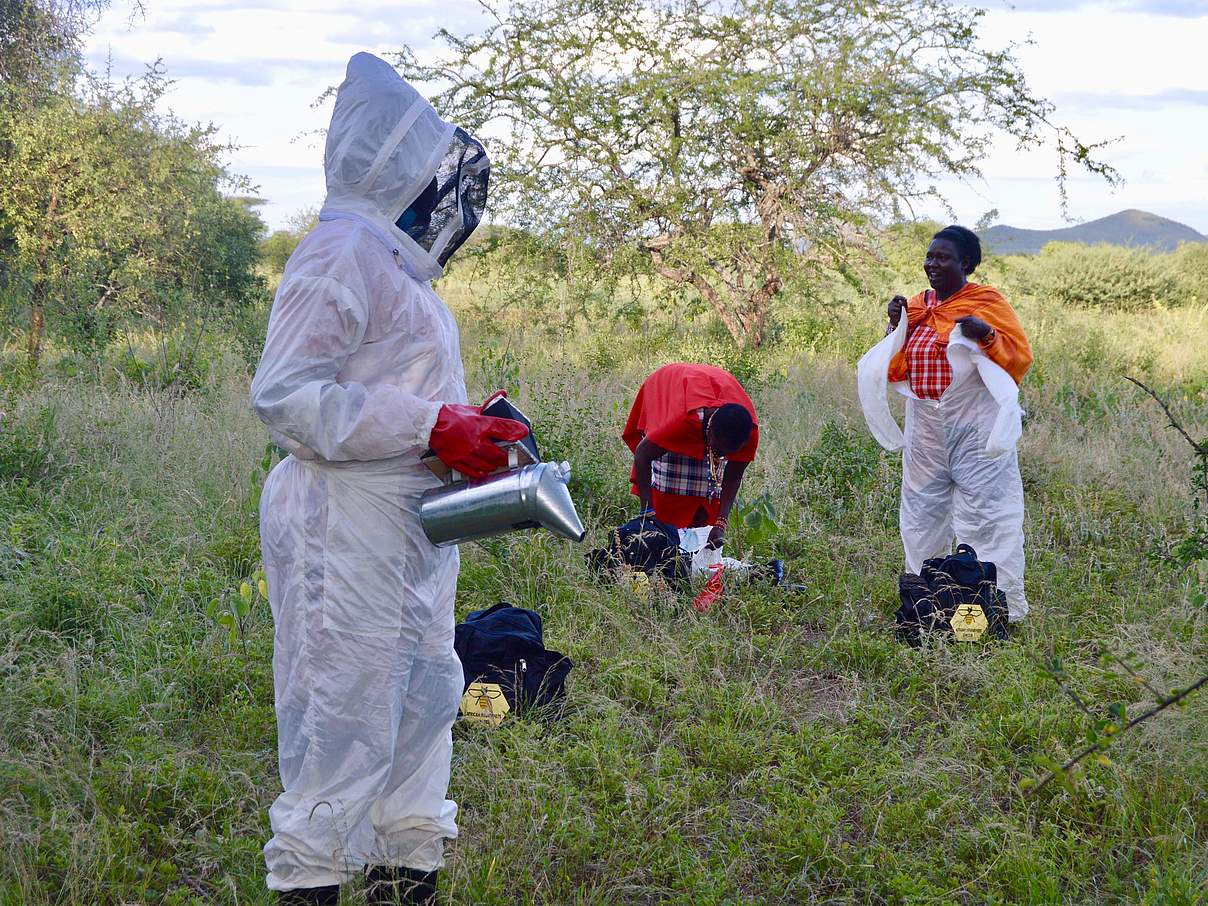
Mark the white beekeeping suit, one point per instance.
(960, 471)
(360, 359)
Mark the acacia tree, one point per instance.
(728, 141)
(115, 216)
(111, 211)
(39, 45)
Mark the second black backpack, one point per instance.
(504, 645)
(956, 597)
(647, 545)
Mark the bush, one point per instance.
(723, 352)
(1102, 276)
(276, 248)
(27, 446)
(837, 331)
(1191, 267)
(841, 473)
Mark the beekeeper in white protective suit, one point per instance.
(361, 372)
(957, 353)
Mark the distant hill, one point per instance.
(1128, 228)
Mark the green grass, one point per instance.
(783, 748)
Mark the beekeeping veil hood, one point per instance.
(392, 162)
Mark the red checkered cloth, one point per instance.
(685, 476)
(927, 358)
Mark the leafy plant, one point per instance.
(758, 521)
(498, 369)
(838, 472)
(231, 610)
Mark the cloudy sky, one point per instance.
(1133, 69)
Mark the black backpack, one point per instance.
(648, 545)
(956, 597)
(504, 645)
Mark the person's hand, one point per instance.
(464, 439)
(975, 329)
(896, 305)
(717, 537)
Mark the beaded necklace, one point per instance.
(715, 461)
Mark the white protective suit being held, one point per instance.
(960, 472)
(360, 357)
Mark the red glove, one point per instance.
(497, 395)
(462, 439)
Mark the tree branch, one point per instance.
(1200, 449)
(1100, 746)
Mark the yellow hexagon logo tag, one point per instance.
(969, 623)
(485, 703)
(636, 581)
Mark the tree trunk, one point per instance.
(37, 323)
(756, 306)
(743, 313)
(37, 298)
(682, 275)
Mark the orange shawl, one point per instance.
(1010, 348)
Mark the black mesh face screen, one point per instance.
(416, 220)
(460, 198)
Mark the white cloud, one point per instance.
(255, 68)
(1170, 97)
(1191, 9)
(1112, 74)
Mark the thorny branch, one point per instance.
(1200, 449)
(1163, 702)
(1101, 746)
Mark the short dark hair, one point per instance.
(968, 246)
(733, 424)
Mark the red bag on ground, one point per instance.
(712, 592)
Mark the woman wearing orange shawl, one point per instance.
(956, 482)
(692, 431)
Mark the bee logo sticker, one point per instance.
(484, 703)
(969, 623)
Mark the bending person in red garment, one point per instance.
(692, 430)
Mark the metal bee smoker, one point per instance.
(527, 494)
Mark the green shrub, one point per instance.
(1102, 276)
(810, 331)
(1191, 267)
(723, 352)
(842, 473)
(27, 447)
(845, 332)
(176, 365)
(276, 248)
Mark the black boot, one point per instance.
(387, 885)
(309, 896)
